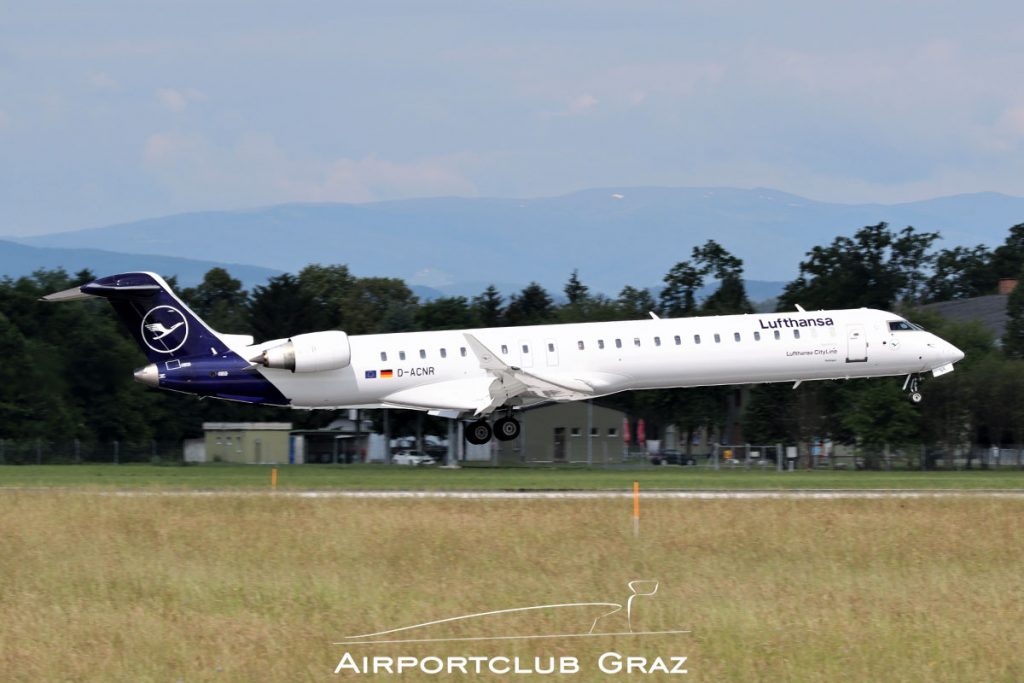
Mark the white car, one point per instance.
(411, 458)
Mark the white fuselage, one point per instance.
(439, 370)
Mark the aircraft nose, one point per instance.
(950, 353)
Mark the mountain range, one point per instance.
(613, 236)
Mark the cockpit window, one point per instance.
(900, 325)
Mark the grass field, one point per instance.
(429, 478)
(258, 588)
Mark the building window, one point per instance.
(594, 431)
(696, 339)
(401, 355)
(657, 341)
(579, 345)
(444, 353)
(423, 353)
(679, 340)
(718, 338)
(777, 335)
(600, 343)
(736, 336)
(575, 431)
(613, 431)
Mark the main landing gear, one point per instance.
(480, 432)
(912, 384)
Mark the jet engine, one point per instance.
(312, 352)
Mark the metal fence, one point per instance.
(46, 452)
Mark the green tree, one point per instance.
(221, 301)
(877, 268)
(532, 306)
(1008, 258)
(326, 289)
(280, 309)
(1013, 337)
(375, 305)
(635, 303)
(961, 273)
(489, 307)
(446, 313)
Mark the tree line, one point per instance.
(66, 370)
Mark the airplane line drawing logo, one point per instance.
(161, 327)
(636, 588)
(160, 331)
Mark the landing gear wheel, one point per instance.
(506, 429)
(911, 385)
(478, 432)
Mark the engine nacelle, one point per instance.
(312, 352)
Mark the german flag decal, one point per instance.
(386, 374)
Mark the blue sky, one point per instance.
(113, 111)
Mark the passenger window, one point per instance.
(579, 345)
(551, 348)
(462, 351)
(718, 338)
(423, 353)
(696, 339)
(757, 336)
(736, 336)
(679, 340)
(777, 335)
(657, 341)
(401, 355)
(618, 343)
(526, 348)
(600, 343)
(383, 355)
(636, 341)
(504, 349)
(444, 353)
(796, 334)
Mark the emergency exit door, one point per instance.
(856, 344)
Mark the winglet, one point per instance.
(800, 308)
(488, 359)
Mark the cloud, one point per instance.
(582, 104)
(102, 81)
(258, 170)
(178, 100)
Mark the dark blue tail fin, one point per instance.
(164, 327)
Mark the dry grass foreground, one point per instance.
(106, 588)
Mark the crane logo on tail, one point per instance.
(164, 329)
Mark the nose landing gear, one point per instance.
(912, 384)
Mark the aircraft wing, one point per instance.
(510, 382)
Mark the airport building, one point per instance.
(259, 443)
(580, 432)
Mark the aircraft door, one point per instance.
(559, 445)
(856, 344)
(552, 349)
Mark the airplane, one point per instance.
(474, 373)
